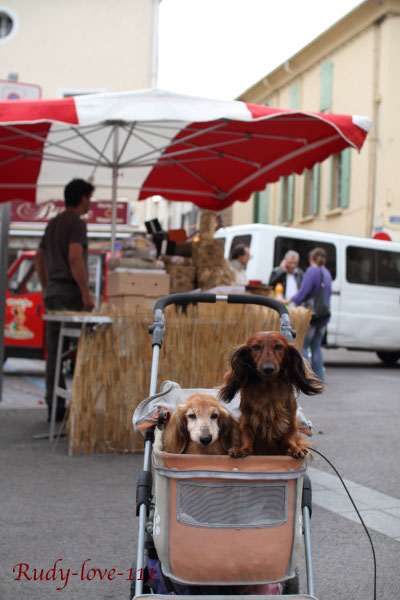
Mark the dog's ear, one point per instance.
(227, 427)
(175, 435)
(241, 372)
(300, 374)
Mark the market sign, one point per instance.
(99, 212)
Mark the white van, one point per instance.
(365, 302)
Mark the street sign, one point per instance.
(381, 235)
(15, 90)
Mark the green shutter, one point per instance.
(256, 204)
(294, 96)
(331, 181)
(315, 196)
(326, 86)
(305, 175)
(345, 187)
(290, 210)
(282, 200)
(263, 206)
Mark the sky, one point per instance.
(219, 48)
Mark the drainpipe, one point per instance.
(153, 75)
(371, 206)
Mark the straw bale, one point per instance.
(208, 278)
(208, 254)
(113, 366)
(208, 224)
(181, 278)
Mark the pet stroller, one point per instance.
(216, 526)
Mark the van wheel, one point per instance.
(390, 358)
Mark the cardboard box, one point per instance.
(135, 283)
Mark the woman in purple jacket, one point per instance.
(309, 289)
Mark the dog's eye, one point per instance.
(256, 347)
(279, 347)
(192, 416)
(214, 416)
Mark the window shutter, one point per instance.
(315, 196)
(256, 204)
(290, 210)
(295, 96)
(345, 187)
(305, 195)
(326, 86)
(331, 181)
(281, 211)
(263, 206)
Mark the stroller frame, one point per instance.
(145, 480)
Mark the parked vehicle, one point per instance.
(365, 301)
(24, 331)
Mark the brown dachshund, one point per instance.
(268, 370)
(200, 426)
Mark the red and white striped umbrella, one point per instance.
(208, 152)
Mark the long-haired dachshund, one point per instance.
(268, 370)
(200, 426)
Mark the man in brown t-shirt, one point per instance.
(61, 264)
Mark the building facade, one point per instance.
(80, 47)
(352, 68)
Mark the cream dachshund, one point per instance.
(200, 426)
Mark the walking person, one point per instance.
(315, 275)
(288, 274)
(61, 264)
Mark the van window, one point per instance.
(240, 239)
(360, 265)
(372, 267)
(303, 247)
(388, 268)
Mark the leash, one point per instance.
(355, 508)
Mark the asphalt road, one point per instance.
(81, 511)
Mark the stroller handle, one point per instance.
(157, 329)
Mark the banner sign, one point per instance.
(99, 212)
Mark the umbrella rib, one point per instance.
(37, 154)
(128, 135)
(174, 142)
(46, 143)
(170, 157)
(278, 162)
(100, 153)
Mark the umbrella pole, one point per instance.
(5, 223)
(114, 192)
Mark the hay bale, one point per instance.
(181, 278)
(208, 278)
(208, 225)
(208, 254)
(113, 366)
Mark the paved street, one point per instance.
(75, 509)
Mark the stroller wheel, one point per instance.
(291, 586)
(147, 589)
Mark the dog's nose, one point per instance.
(268, 369)
(205, 439)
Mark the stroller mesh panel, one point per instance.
(236, 505)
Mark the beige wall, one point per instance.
(80, 44)
(365, 51)
(387, 201)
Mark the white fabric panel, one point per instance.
(362, 122)
(156, 105)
